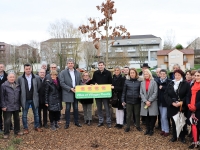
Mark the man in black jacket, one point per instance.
(102, 76)
(3, 78)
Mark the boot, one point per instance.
(53, 126)
(56, 124)
(89, 122)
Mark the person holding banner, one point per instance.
(102, 76)
(69, 78)
(87, 103)
(117, 88)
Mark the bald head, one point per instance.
(158, 72)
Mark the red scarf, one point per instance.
(147, 84)
(194, 90)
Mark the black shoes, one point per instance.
(100, 124)
(150, 132)
(66, 126)
(109, 125)
(120, 126)
(139, 129)
(193, 146)
(147, 132)
(78, 125)
(173, 139)
(127, 130)
(89, 122)
(183, 140)
(45, 126)
(116, 125)
(86, 121)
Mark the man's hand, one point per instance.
(123, 104)
(112, 87)
(4, 109)
(73, 90)
(47, 105)
(160, 87)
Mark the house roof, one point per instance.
(184, 51)
(62, 39)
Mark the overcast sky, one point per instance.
(24, 20)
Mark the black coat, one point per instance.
(1, 82)
(87, 101)
(10, 97)
(197, 112)
(104, 77)
(131, 91)
(53, 95)
(118, 83)
(170, 96)
(41, 91)
(161, 100)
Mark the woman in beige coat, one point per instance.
(149, 107)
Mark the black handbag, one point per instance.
(114, 99)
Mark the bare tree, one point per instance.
(169, 40)
(95, 27)
(142, 52)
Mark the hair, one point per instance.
(101, 62)
(53, 64)
(53, 72)
(163, 70)
(27, 65)
(180, 72)
(126, 67)
(193, 72)
(188, 71)
(86, 72)
(70, 60)
(44, 63)
(136, 76)
(198, 71)
(117, 67)
(176, 65)
(11, 72)
(149, 72)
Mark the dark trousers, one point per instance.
(130, 108)
(43, 109)
(183, 132)
(7, 121)
(54, 116)
(150, 122)
(1, 120)
(125, 116)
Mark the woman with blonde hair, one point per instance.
(149, 106)
(87, 103)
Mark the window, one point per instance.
(153, 55)
(129, 42)
(153, 41)
(1, 46)
(141, 41)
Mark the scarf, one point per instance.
(85, 81)
(55, 81)
(163, 80)
(147, 84)
(176, 84)
(194, 90)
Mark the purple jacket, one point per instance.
(10, 98)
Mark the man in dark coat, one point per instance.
(42, 105)
(102, 76)
(3, 78)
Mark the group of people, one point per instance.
(140, 96)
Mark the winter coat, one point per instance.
(53, 95)
(104, 77)
(150, 95)
(66, 84)
(42, 91)
(161, 100)
(10, 97)
(182, 93)
(118, 83)
(131, 91)
(87, 101)
(36, 87)
(1, 82)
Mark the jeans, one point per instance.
(75, 111)
(129, 110)
(99, 102)
(54, 116)
(7, 121)
(164, 119)
(87, 110)
(44, 108)
(25, 112)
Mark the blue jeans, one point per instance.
(164, 119)
(25, 112)
(75, 111)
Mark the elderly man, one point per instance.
(30, 85)
(53, 66)
(3, 78)
(69, 78)
(42, 106)
(175, 67)
(10, 101)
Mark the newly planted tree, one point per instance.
(103, 27)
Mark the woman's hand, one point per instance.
(123, 104)
(148, 103)
(47, 105)
(174, 104)
(112, 87)
(4, 109)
